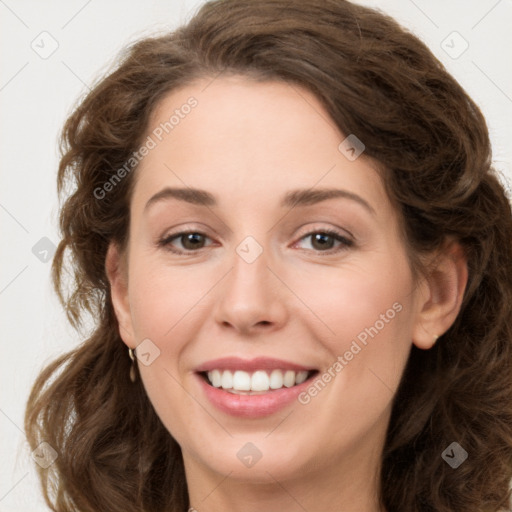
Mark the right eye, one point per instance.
(190, 241)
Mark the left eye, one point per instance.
(191, 241)
(324, 241)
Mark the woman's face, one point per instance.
(294, 269)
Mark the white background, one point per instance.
(37, 94)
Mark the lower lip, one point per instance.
(251, 406)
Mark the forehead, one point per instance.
(248, 139)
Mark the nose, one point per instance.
(251, 299)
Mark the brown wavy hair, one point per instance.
(376, 80)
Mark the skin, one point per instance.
(249, 143)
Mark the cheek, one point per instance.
(162, 308)
(350, 299)
(370, 310)
(163, 299)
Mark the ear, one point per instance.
(441, 295)
(117, 274)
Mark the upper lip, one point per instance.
(251, 365)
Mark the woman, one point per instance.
(286, 226)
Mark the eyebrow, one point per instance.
(293, 198)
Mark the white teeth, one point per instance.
(215, 378)
(289, 379)
(276, 379)
(301, 377)
(226, 380)
(241, 381)
(258, 381)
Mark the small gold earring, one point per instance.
(436, 337)
(132, 368)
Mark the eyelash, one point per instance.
(165, 242)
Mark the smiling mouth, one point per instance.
(258, 382)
